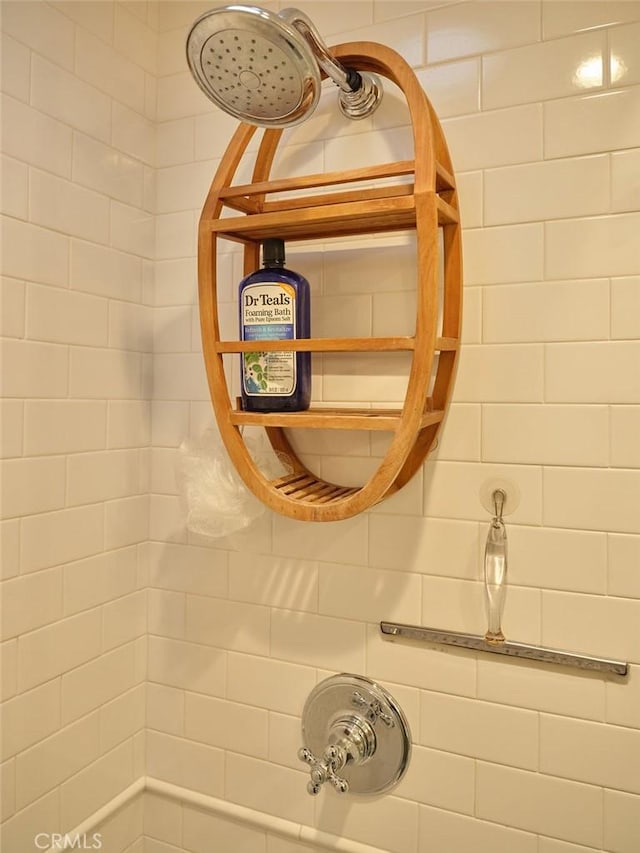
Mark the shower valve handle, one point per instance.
(324, 769)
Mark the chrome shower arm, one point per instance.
(347, 80)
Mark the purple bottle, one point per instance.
(274, 305)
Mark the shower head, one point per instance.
(264, 68)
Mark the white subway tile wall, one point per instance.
(130, 646)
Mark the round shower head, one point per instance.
(254, 65)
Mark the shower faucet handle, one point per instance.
(373, 709)
(324, 769)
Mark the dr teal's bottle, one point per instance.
(274, 305)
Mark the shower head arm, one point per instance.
(347, 79)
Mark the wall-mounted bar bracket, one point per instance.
(506, 647)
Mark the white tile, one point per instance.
(105, 271)
(585, 125)
(501, 137)
(404, 35)
(621, 830)
(93, 16)
(453, 88)
(380, 594)
(9, 675)
(176, 141)
(340, 541)
(542, 71)
(184, 762)
(424, 545)
(101, 373)
(106, 170)
(505, 373)
(227, 725)
(624, 565)
(128, 423)
(567, 16)
(15, 188)
(70, 99)
(591, 625)
(558, 559)
(30, 602)
(549, 190)
(546, 435)
(50, 762)
(30, 717)
(12, 294)
(393, 825)
(625, 308)
(199, 827)
(183, 187)
(179, 98)
(135, 38)
(96, 785)
(53, 650)
(63, 426)
(317, 640)
(471, 28)
(625, 428)
(9, 548)
(267, 683)
(32, 486)
(132, 230)
(8, 789)
(276, 581)
(266, 787)
(180, 376)
(165, 709)
(479, 729)
(382, 267)
(226, 624)
(505, 254)
(34, 253)
(189, 569)
(93, 477)
(12, 419)
(124, 619)
(553, 689)
(439, 779)
(90, 686)
(622, 697)
(18, 830)
(37, 370)
(122, 718)
(581, 373)
(58, 537)
(427, 667)
(63, 206)
(121, 829)
(625, 67)
(43, 29)
(16, 68)
(625, 183)
(590, 752)
(108, 70)
(187, 665)
(599, 246)
(546, 311)
(133, 134)
(447, 830)
(539, 803)
(101, 578)
(62, 316)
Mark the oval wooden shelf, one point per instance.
(429, 205)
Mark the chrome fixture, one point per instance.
(495, 581)
(265, 68)
(356, 737)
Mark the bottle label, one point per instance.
(269, 314)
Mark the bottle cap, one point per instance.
(273, 252)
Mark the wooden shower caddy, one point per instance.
(426, 205)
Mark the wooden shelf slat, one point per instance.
(373, 420)
(398, 344)
(447, 214)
